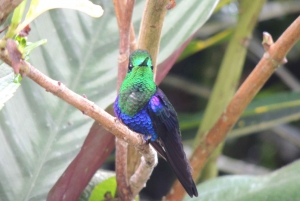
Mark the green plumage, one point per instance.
(138, 86)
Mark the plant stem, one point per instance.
(151, 26)
(133, 156)
(123, 10)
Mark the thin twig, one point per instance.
(288, 78)
(124, 190)
(273, 57)
(133, 44)
(123, 15)
(144, 171)
(133, 160)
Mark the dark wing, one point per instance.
(168, 144)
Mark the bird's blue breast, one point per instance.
(140, 122)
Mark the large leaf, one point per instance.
(282, 184)
(97, 146)
(41, 134)
(8, 85)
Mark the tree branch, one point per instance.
(144, 171)
(123, 188)
(274, 56)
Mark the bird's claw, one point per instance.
(147, 138)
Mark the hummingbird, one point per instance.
(145, 109)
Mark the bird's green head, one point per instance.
(138, 85)
(140, 64)
(140, 70)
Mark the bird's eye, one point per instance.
(152, 68)
(130, 67)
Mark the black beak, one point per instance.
(144, 62)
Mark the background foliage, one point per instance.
(40, 134)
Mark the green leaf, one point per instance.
(16, 19)
(282, 184)
(18, 78)
(18, 14)
(31, 46)
(261, 114)
(103, 179)
(26, 47)
(40, 134)
(8, 83)
(108, 186)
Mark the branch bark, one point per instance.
(144, 171)
(272, 58)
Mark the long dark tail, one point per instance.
(173, 152)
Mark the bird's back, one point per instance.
(168, 144)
